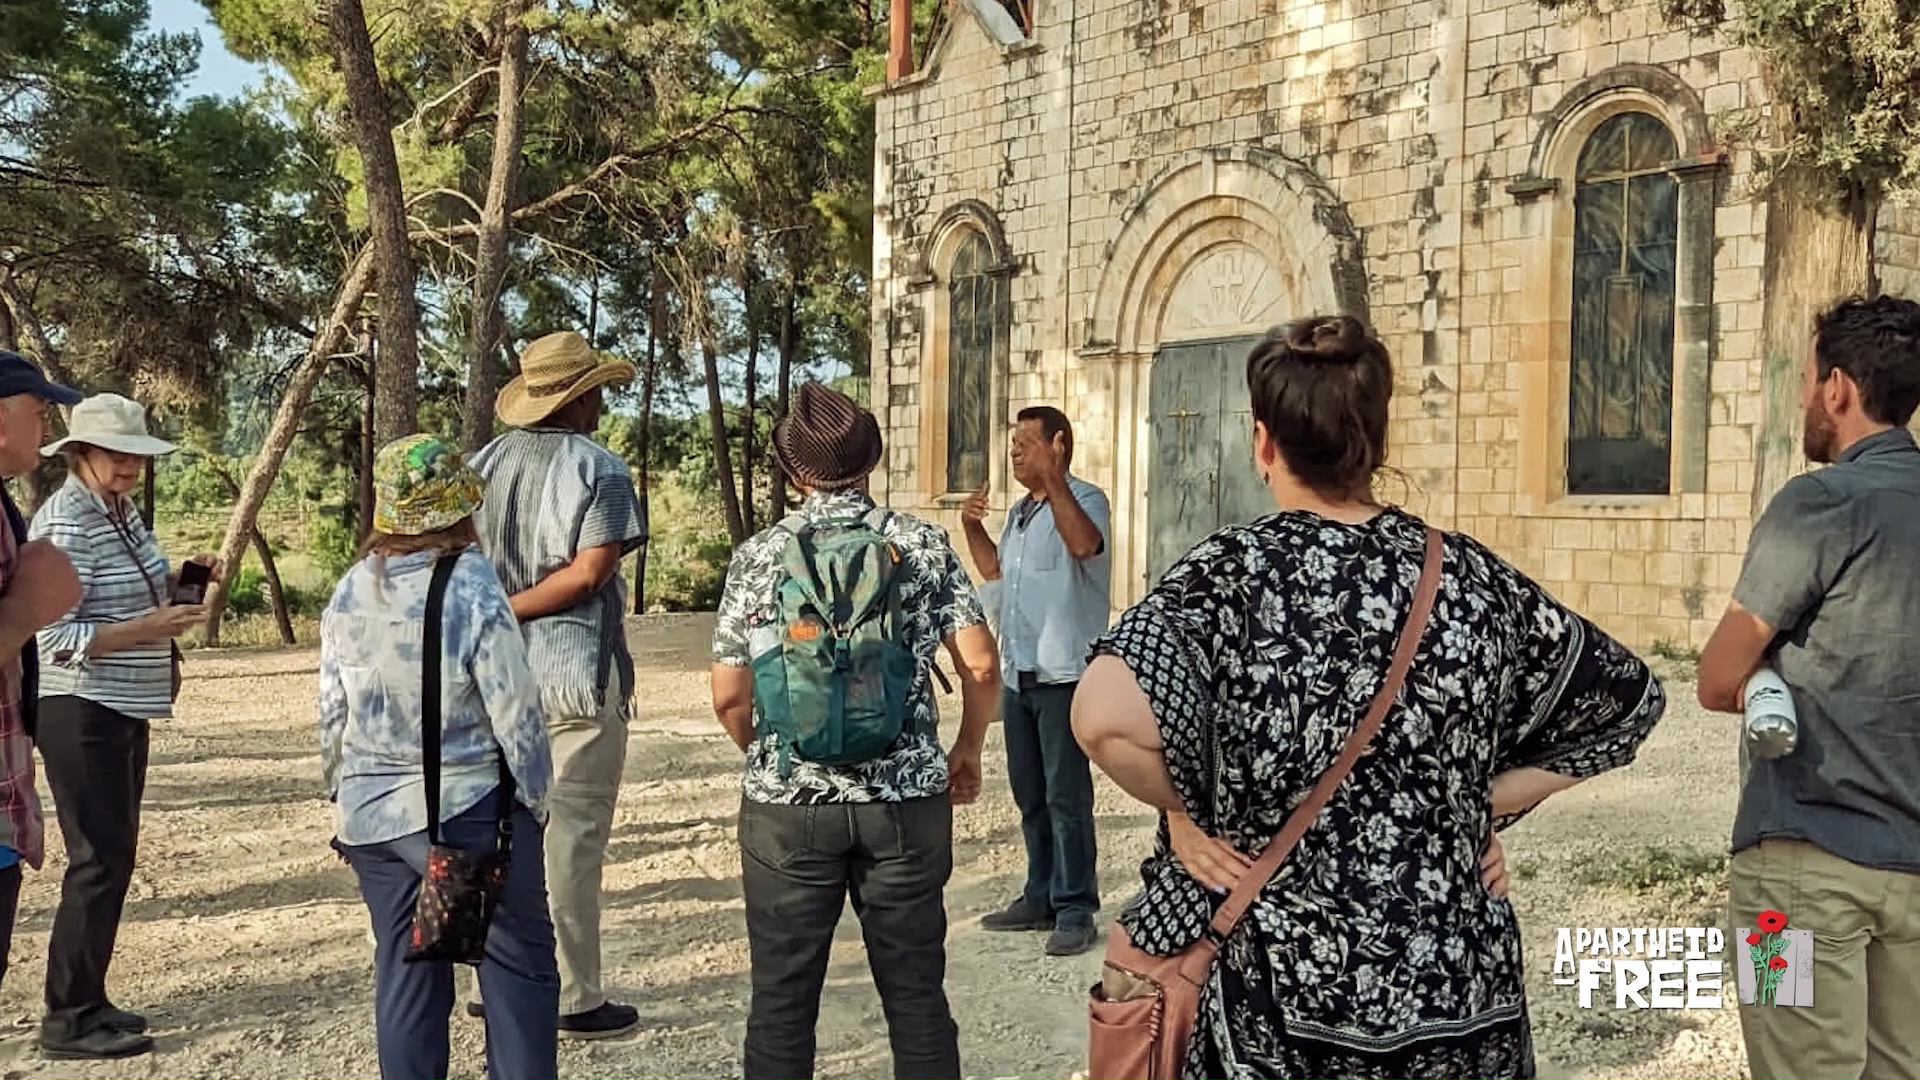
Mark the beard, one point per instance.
(1818, 435)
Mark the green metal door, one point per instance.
(1200, 474)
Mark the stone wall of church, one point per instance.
(1432, 139)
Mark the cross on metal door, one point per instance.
(1200, 470)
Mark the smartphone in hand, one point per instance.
(192, 586)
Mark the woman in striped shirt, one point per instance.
(106, 673)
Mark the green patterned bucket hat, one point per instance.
(422, 485)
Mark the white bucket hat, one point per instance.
(110, 422)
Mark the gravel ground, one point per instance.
(245, 943)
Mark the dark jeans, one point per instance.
(520, 980)
(800, 863)
(9, 906)
(1053, 787)
(96, 764)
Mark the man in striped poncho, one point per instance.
(560, 513)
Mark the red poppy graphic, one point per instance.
(1771, 921)
(1753, 939)
(1778, 963)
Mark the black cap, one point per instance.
(19, 375)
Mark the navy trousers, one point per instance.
(520, 979)
(1053, 787)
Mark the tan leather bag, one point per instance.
(1142, 1012)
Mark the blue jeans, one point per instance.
(412, 1001)
(1053, 786)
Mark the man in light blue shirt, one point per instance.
(1053, 568)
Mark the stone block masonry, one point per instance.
(1158, 173)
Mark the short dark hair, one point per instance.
(1877, 343)
(1052, 422)
(1321, 387)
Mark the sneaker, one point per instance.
(101, 1042)
(604, 1022)
(1018, 915)
(1072, 939)
(121, 1020)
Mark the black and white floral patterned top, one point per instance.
(1376, 950)
(938, 600)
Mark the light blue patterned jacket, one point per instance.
(370, 697)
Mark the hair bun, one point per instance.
(1330, 339)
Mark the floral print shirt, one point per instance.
(371, 663)
(1375, 950)
(937, 598)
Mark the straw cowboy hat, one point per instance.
(555, 370)
(110, 422)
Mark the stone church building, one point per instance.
(1100, 204)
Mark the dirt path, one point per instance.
(244, 939)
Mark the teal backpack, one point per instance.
(834, 690)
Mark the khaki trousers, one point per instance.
(589, 757)
(1865, 1017)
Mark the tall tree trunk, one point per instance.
(722, 451)
(1819, 250)
(38, 483)
(751, 313)
(783, 384)
(28, 328)
(490, 268)
(649, 378)
(363, 470)
(276, 592)
(398, 374)
(286, 424)
(147, 485)
(593, 310)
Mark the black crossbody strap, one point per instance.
(431, 648)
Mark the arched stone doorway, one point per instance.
(1218, 249)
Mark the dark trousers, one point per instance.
(96, 765)
(9, 905)
(799, 865)
(519, 978)
(1053, 787)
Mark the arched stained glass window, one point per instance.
(977, 310)
(1626, 219)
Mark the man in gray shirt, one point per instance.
(1053, 567)
(1829, 834)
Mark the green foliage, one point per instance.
(332, 545)
(249, 593)
(1682, 875)
(1845, 72)
(1845, 103)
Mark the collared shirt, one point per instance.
(551, 495)
(937, 599)
(371, 668)
(1051, 605)
(1834, 564)
(21, 825)
(122, 574)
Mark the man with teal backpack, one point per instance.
(823, 661)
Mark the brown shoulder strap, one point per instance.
(1304, 815)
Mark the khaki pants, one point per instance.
(1865, 1017)
(589, 756)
